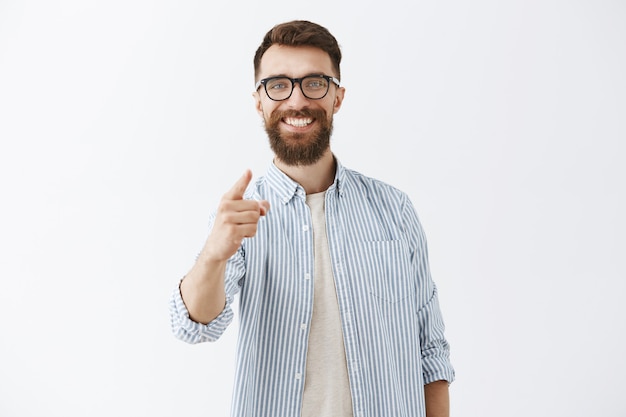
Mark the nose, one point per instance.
(297, 99)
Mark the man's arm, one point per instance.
(202, 289)
(437, 399)
(436, 367)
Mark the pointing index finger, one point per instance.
(239, 188)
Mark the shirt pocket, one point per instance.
(387, 270)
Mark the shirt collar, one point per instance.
(286, 188)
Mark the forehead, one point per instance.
(294, 61)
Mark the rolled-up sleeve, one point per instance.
(436, 364)
(191, 331)
(187, 330)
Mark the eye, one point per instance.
(316, 83)
(279, 84)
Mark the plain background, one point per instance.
(123, 122)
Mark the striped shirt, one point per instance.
(392, 325)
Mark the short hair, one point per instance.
(300, 33)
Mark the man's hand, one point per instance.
(202, 288)
(235, 220)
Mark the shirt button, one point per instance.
(303, 326)
(298, 375)
(305, 228)
(307, 276)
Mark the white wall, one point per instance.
(123, 122)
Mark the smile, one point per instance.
(298, 122)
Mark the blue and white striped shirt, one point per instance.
(392, 325)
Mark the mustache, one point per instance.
(313, 113)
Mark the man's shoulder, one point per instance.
(366, 183)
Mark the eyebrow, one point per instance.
(306, 75)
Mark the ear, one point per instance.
(341, 91)
(258, 105)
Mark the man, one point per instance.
(338, 313)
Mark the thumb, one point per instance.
(264, 206)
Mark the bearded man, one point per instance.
(339, 315)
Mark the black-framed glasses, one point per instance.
(313, 87)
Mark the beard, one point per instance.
(298, 149)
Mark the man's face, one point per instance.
(298, 128)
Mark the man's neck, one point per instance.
(313, 178)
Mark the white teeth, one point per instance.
(298, 122)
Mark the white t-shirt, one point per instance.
(326, 387)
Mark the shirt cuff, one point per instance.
(437, 368)
(187, 330)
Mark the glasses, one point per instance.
(313, 87)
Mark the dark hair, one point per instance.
(300, 33)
